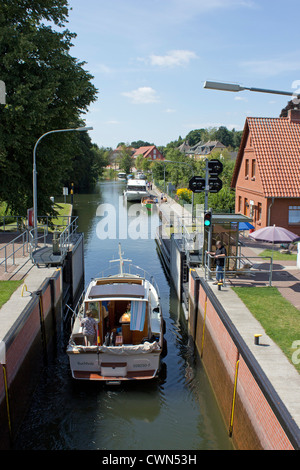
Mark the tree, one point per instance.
(126, 160)
(47, 89)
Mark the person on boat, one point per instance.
(89, 328)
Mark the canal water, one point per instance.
(176, 412)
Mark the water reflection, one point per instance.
(176, 412)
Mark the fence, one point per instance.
(243, 266)
(26, 241)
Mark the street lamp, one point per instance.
(78, 129)
(235, 88)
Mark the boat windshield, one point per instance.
(136, 188)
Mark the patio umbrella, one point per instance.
(274, 234)
(245, 226)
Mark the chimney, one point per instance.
(294, 115)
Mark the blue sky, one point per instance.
(150, 59)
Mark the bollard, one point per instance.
(256, 338)
(220, 285)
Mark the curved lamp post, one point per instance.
(78, 129)
(235, 88)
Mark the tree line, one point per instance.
(47, 88)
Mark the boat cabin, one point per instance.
(123, 311)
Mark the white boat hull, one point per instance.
(135, 196)
(124, 313)
(109, 367)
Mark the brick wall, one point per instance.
(256, 423)
(25, 354)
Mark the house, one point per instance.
(267, 171)
(202, 149)
(150, 152)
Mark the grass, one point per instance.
(7, 288)
(279, 256)
(63, 209)
(279, 318)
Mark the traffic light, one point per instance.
(197, 184)
(215, 184)
(215, 167)
(207, 219)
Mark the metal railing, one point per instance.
(21, 242)
(64, 238)
(243, 265)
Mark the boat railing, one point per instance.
(129, 269)
(75, 311)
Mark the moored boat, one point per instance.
(149, 202)
(135, 190)
(128, 341)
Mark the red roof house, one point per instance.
(150, 152)
(267, 172)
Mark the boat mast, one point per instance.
(121, 260)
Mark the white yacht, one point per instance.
(135, 190)
(129, 337)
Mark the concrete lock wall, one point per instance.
(27, 344)
(252, 410)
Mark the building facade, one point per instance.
(267, 172)
(150, 152)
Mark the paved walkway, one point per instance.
(18, 266)
(285, 276)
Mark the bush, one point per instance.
(184, 194)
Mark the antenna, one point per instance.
(121, 260)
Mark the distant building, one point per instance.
(267, 171)
(201, 149)
(150, 152)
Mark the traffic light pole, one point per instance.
(206, 185)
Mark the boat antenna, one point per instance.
(121, 260)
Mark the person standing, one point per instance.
(219, 255)
(89, 328)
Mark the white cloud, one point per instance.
(112, 122)
(170, 110)
(143, 95)
(240, 98)
(173, 58)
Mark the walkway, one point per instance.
(22, 262)
(286, 274)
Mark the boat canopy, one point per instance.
(117, 291)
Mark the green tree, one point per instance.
(139, 162)
(126, 161)
(47, 89)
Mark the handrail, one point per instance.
(244, 271)
(25, 241)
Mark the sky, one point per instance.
(150, 59)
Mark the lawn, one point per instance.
(279, 256)
(279, 318)
(60, 222)
(7, 288)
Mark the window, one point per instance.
(294, 214)
(246, 168)
(240, 204)
(253, 168)
(246, 205)
(259, 210)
